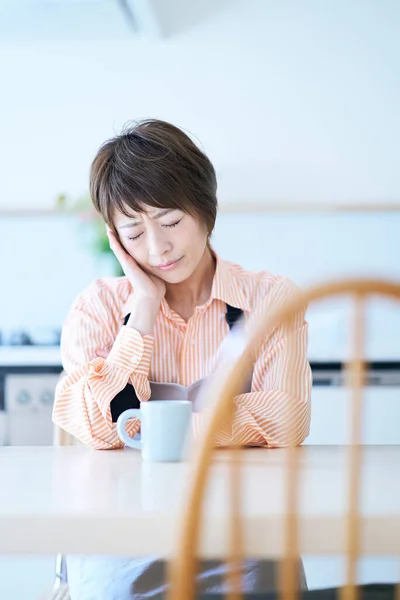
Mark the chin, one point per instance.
(176, 276)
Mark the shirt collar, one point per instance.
(226, 287)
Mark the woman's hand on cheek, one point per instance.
(148, 289)
(143, 283)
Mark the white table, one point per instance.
(78, 500)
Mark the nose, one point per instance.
(158, 246)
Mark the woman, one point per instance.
(164, 321)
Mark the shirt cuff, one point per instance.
(131, 351)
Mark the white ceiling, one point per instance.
(76, 20)
(29, 21)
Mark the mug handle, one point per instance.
(122, 419)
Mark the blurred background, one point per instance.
(296, 102)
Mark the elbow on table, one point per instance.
(66, 435)
(293, 436)
(292, 432)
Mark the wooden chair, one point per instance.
(221, 394)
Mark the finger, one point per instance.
(127, 262)
(117, 248)
(109, 232)
(102, 353)
(111, 235)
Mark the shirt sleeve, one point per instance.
(277, 411)
(83, 395)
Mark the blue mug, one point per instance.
(165, 425)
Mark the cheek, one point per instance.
(193, 236)
(199, 243)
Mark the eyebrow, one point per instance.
(158, 215)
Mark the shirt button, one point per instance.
(192, 342)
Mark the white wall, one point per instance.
(46, 263)
(291, 101)
(314, 248)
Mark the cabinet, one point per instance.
(28, 407)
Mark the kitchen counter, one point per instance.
(30, 356)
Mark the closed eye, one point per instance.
(132, 239)
(173, 224)
(170, 226)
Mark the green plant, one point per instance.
(93, 227)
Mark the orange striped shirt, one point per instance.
(181, 352)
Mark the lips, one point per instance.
(168, 265)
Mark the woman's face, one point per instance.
(165, 242)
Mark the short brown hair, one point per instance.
(156, 164)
